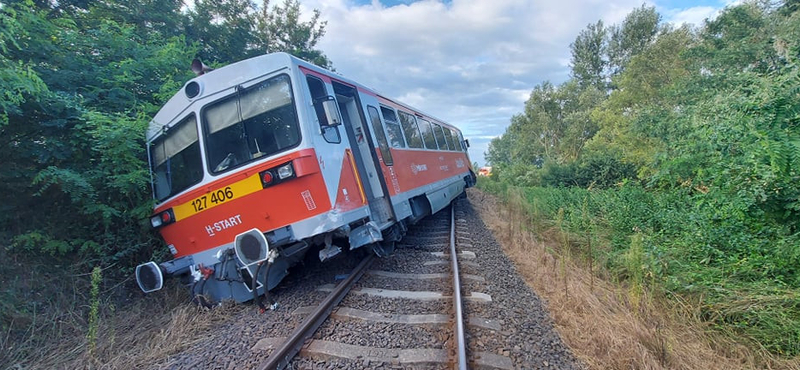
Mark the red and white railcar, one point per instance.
(257, 163)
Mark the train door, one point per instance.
(364, 152)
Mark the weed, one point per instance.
(94, 310)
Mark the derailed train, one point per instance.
(259, 162)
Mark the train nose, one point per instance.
(149, 277)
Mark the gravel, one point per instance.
(527, 335)
(381, 335)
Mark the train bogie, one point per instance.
(259, 162)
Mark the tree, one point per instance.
(74, 140)
(554, 127)
(281, 30)
(633, 36)
(18, 82)
(223, 29)
(232, 30)
(635, 120)
(588, 50)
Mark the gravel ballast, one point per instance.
(526, 334)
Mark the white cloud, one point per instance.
(472, 63)
(695, 15)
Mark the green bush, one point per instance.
(743, 275)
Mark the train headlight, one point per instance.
(251, 248)
(155, 221)
(164, 218)
(277, 174)
(149, 277)
(286, 171)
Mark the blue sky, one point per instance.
(472, 63)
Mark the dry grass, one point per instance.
(143, 334)
(610, 325)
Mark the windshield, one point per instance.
(175, 159)
(249, 124)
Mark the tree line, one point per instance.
(80, 81)
(687, 140)
(711, 110)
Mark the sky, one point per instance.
(471, 63)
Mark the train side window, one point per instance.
(318, 95)
(427, 134)
(377, 127)
(448, 135)
(410, 129)
(457, 141)
(437, 132)
(393, 128)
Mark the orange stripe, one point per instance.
(358, 178)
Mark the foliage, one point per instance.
(94, 309)
(230, 30)
(588, 51)
(637, 31)
(80, 81)
(555, 126)
(690, 167)
(281, 30)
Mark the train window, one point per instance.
(456, 142)
(393, 128)
(318, 94)
(463, 143)
(377, 127)
(249, 124)
(427, 134)
(410, 129)
(175, 159)
(439, 135)
(448, 135)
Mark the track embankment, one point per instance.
(400, 314)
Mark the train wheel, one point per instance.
(384, 248)
(198, 294)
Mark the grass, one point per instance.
(607, 300)
(68, 320)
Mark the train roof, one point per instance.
(242, 72)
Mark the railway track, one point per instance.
(405, 311)
(399, 315)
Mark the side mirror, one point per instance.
(466, 142)
(331, 111)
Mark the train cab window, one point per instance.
(175, 159)
(439, 135)
(377, 128)
(427, 134)
(257, 122)
(318, 93)
(410, 129)
(448, 135)
(393, 128)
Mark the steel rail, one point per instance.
(281, 356)
(461, 349)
